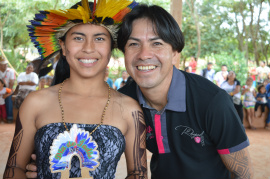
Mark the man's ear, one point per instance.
(175, 57)
(62, 44)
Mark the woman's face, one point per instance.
(231, 75)
(87, 48)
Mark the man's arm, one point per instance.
(31, 168)
(11, 83)
(239, 164)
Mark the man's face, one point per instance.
(148, 59)
(210, 66)
(29, 69)
(124, 75)
(3, 67)
(262, 64)
(224, 68)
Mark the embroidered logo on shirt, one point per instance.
(149, 134)
(185, 130)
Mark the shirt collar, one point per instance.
(176, 96)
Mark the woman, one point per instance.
(232, 87)
(79, 124)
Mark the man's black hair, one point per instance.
(164, 26)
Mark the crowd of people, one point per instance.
(25, 83)
(248, 97)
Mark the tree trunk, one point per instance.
(2, 24)
(176, 12)
(56, 3)
(194, 14)
(254, 32)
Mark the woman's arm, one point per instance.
(136, 145)
(23, 142)
(237, 89)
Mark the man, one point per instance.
(193, 129)
(118, 81)
(263, 72)
(221, 76)
(8, 76)
(27, 82)
(208, 72)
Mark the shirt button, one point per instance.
(161, 137)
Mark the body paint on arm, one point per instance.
(11, 163)
(139, 152)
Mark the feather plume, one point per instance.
(85, 5)
(109, 8)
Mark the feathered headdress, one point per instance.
(49, 25)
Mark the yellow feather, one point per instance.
(85, 5)
(108, 8)
(84, 14)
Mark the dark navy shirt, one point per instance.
(200, 124)
(175, 102)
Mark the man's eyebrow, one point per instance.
(151, 39)
(154, 38)
(133, 38)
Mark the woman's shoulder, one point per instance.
(125, 101)
(40, 96)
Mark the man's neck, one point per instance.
(157, 97)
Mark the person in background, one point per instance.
(8, 76)
(208, 72)
(4, 93)
(188, 69)
(49, 80)
(42, 83)
(193, 64)
(249, 93)
(262, 72)
(123, 83)
(118, 81)
(221, 76)
(267, 122)
(252, 72)
(27, 82)
(232, 87)
(261, 99)
(107, 79)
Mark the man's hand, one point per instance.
(31, 168)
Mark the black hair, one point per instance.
(228, 74)
(164, 25)
(259, 87)
(62, 70)
(187, 68)
(3, 82)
